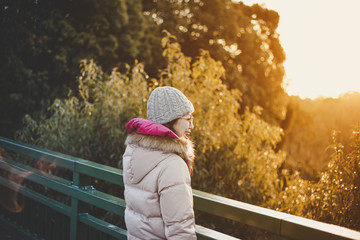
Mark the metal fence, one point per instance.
(45, 217)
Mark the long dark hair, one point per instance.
(190, 159)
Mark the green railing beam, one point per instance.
(303, 228)
(252, 215)
(100, 171)
(206, 233)
(37, 153)
(282, 224)
(103, 226)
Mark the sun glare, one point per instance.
(321, 41)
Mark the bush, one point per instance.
(91, 126)
(335, 198)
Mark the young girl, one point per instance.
(157, 165)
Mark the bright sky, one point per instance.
(321, 39)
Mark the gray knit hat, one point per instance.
(166, 104)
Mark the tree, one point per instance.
(43, 42)
(243, 38)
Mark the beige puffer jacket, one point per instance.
(158, 194)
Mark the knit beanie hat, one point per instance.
(166, 104)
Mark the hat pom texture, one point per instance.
(166, 104)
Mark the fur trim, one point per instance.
(180, 146)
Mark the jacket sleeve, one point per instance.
(176, 200)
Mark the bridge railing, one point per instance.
(45, 217)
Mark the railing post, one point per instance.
(79, 180)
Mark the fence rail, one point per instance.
(73, 220)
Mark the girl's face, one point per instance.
(183, 125)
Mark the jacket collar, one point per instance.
(147, 127)
(180, 146)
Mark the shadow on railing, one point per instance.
(44, 217)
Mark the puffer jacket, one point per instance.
(158, 194)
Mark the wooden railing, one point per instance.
(44, 217)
